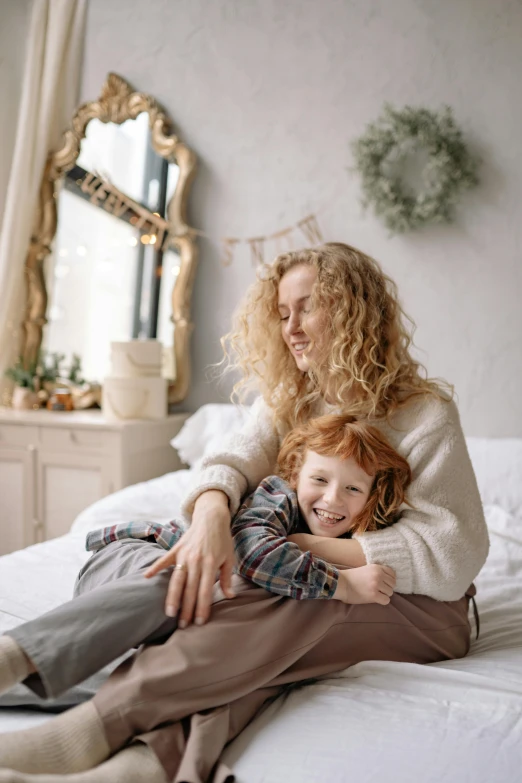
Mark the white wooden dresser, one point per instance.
(53, 465)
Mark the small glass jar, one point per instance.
(60, 400)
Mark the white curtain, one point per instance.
(48, 101)
(13, 32)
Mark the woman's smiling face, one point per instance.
(295, 291)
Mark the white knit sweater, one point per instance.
(438, 547)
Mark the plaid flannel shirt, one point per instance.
(259, 530)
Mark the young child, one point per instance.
(335, 477)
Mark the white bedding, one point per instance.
(452, 722)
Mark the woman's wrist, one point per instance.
(211, 497)
(212, 505)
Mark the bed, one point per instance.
(450, 722)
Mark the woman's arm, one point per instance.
(204, 550)
(237, 468)
(440, 543)
(216, 491)
(337, 551)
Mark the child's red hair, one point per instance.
(341, 436)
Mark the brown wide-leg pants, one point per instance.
(189, 696)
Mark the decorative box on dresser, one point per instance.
(53, 465)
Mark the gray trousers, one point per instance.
(113, 610)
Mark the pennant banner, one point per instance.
(257, 250)
(281, 241)
(228, 245)
(102, 192)
(310, 228)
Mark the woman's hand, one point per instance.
(205, 550)
(369, 584)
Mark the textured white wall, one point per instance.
(270, 93)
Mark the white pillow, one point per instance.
(497, 463)
(205, 430)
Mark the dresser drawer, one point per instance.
(15, 436)
(76, 440)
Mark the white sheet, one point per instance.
(451, 722)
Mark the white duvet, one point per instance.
(453, 722)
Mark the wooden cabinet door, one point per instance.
(68, 483)
(17, 499)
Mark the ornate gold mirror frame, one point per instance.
(117, 103)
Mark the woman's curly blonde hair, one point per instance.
(368, 371)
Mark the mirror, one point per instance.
(112, 257)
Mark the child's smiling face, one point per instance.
(331, 493)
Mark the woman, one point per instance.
(321, 331)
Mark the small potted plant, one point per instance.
(37, 382)
(25, 393)
(34, 380)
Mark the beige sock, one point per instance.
(14, 666)
(134, 764)
(71, 742)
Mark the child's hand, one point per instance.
(369, 584)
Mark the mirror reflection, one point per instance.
(110, 274)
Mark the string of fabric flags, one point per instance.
(285, 239)
(101, 191)
(281, 240)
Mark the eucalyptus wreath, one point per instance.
(389, 141)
